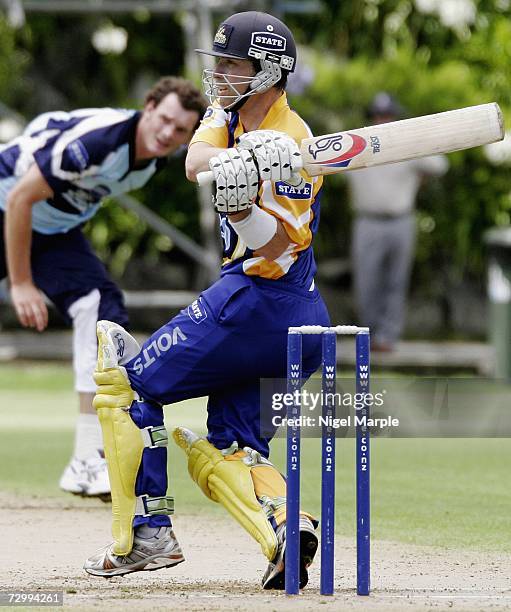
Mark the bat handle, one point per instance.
(296, 180)
(205, 178)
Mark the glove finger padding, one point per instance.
(277, 155)
(237, 180)
(199, 468)
(228, 482)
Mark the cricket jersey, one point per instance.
(84, 156)
(297, 209)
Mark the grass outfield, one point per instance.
(446, 492)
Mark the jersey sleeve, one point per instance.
(214, 128)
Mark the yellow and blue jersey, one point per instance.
(297, 209)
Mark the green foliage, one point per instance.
(390, 46)
(68, 72)
(13, 64)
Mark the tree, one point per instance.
(14, 62)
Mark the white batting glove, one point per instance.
(276, 154)
(237, 180)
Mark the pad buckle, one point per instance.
(148, 506)
(154, 436)
(254, 458)
(271, 504)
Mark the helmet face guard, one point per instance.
(249, 36)
(215, 82)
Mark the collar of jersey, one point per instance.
(133, 122)
(275, 109)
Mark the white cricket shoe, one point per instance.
(74, 478)
(98, 483)
(148, 554)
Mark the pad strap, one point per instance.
(148, 506)
(154, 436)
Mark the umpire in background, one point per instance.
(384, 233)
(52, 180)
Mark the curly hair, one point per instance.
(190, 97)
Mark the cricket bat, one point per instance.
(387, 143)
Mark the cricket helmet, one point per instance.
(258, 37)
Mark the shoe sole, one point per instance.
(104, 497)
(141, 566)
(72, 491)
(308, 548)
(72, 487)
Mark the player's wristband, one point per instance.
(257, 229)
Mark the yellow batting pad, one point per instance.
(123, 452)
(121, 437)
(113, 390)
(227, 480)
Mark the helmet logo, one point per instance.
(222, 36)
(268, 41)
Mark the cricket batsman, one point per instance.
(234, 334)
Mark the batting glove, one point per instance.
(237, 180)
(276, 154)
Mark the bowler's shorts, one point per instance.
(65, 268)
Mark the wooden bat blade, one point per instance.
(385, 143)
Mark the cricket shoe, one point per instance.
(274, 577)
(74, 478)
(98, 483)
(148, 554)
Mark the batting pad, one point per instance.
(122, 438)
(228, 482)
(123, 451)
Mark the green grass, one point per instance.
(446, 492)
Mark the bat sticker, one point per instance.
(323, 144)
(352, 146)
